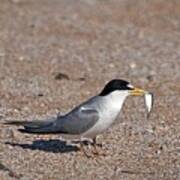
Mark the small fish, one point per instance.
(148, 97)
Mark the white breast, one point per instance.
(108, 112)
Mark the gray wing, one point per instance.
(77, 121)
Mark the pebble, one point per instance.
(6, 133)
(133, 65)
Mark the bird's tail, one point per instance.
(34, 127)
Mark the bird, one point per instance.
(90, 118)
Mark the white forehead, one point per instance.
(130, 86)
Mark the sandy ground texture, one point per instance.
(55, 54)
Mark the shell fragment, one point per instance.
(148, 97)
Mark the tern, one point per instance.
(90, 118)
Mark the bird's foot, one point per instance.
(82, 149)
(95, 149)
(100, 145)
(98, 151)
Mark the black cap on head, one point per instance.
(115, 84)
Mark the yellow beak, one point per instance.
(137, 92)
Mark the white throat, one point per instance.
(116, 99)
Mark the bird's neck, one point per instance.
(116, 99)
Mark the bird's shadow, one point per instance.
(55, 146)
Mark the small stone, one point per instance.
(150, 130)
(150, 77)
(82, 79)
(133, 65)
(40, 94)
(21, 58)
(61, 76)
(6, 133)
(2, 54)
(111, 65)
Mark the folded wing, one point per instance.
(76, 122)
